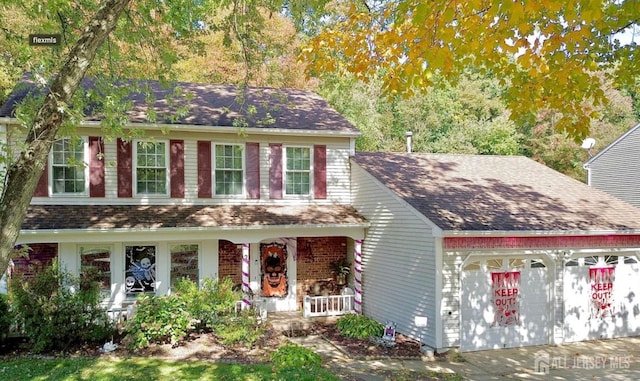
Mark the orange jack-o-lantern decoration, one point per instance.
(274, 269)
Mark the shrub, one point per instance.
(158, 319)
(243, 328)
(359, 326)
(209, 303)
(295, 356)
(56, 312)
(5, 317)
(162, 319)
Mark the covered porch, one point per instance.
(277, 254)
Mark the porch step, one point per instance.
(293, 321)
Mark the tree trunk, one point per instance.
(24, 173)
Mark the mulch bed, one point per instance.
(405, 347)
(205, 346)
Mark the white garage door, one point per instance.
(504, 303)
(601, 297)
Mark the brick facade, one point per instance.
(41, 255)
(314, 262)
(314, 258)
(230, 261)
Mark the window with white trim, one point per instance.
(68, 166)
(95, 262)
(151, 168)
(297, 179)
(228, 169)
(140, 269)
(184, 263)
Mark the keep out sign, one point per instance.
(506, 298)
(601, 295)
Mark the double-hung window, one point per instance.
(297, 171)
(151, 168)
(228, 169)
(68, 168)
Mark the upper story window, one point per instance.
(151, 168)
(228, 169)
(68, 169)
(297, 179)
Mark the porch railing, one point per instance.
(329, 305)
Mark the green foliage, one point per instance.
(5, 316)
(158, 319)
(58, 310)
(208, 303)
(168, 319)
(295, 356)
(359, 326)
(243, 328)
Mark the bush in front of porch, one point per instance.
(208, 308)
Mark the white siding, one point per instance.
(399, 267)
(617, 169)
(450, 304)
(337, 169)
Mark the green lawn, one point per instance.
(90, 369)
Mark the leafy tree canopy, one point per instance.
(547, 53)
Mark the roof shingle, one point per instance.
(497, 193)
(105, 217)
(218, 105)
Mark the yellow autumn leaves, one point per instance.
(547, 51)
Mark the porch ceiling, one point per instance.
(107, 217)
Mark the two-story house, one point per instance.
(252, 184)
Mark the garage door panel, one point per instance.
(478, 312)
(580, 322)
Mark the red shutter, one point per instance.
(96, 167)
(176, 163)
(125, 169)
(253, 170)
(204, 169)
(320, 172)
(275, 171)
(42, 189)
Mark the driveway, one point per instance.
(613, 359)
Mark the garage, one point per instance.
(601, 297)
(504, 303)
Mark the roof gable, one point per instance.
(219, 105)
(497, 193)
(602, 152)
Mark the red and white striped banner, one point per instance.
(357, 267)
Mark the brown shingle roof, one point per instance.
(497, 193)
(219, 105)
(101, 217)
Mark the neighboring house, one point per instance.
(262, 196)
(495, 251)
(616, 168)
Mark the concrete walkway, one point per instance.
(615, 359)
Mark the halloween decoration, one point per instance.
(274, 269)
(141, 269)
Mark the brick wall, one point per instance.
(41, 255)
(314, 261)
(229, 261)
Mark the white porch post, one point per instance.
(246, 303)
(357, 267)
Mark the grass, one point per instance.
(100, 369)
